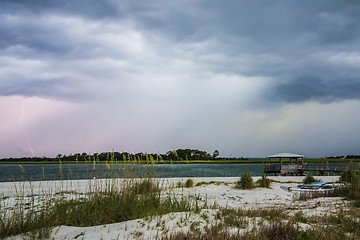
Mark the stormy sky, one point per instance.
(249, 78)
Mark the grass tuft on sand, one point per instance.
(245, 182)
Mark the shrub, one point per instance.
(189, 183)
(263, 182)
(246, 182)
(146, 186)
(310, 179)
(348, 176)
(352, 190)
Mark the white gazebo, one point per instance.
(283, 169)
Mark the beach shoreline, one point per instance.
(217, 191)
(9, 189)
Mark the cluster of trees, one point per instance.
(191, 154)
(352, 157)
(345, 157)
(174, 155)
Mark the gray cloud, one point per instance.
(181, 61)
(95, 9)
(309, 88)
(276, 39)
(55, 88)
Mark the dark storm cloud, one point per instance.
(291, 31)
(42, 40)
(307, 88)
(271, 39)
(94, 9)
(258, 20)
(58, 88)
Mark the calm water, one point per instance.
(34, 172)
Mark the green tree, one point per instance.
(216, 154)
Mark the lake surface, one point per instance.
(35, 172)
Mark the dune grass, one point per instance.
(113, 201)
(310, 179)
(108, 201)
(268, 224)
(264, 182)
(245, 182)
(189, 183)
(131, 201)
(352, 189)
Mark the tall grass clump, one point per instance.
(310, 179)
(264, 182)
(146, 186)
(276, 230)
(106, 201)
(138, 201)
(349, 175)
(304, 196)
(245, 182)
(133, 200)
(352, 189)
(189, 183)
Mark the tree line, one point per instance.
(172, 155)
(345, 157)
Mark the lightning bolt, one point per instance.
(31, 149)
(22, 124)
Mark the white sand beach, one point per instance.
(214, 190)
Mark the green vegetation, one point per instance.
(158, 160)
(264, 182)
(216, 161)
(310, 179)
(120, 200)
(134, 200)
(107, 202)
(146, 186)
(304, 196)
(331, 160)
(245, 182)
(352, 189)
(202, 183)
(349, 176)
(189, 183)
(271, 224)
(179, 156)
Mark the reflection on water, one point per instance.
(35, 172)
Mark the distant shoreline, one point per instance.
(240, 161)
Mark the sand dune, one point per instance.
(214, 190)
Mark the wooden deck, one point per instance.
(284, 169)
(300, 169)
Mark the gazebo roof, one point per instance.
(286, 155)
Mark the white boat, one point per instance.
(315, 187)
